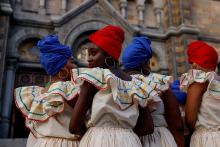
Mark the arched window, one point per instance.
(28, 51)
(80, 52)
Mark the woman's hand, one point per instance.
(144, 124)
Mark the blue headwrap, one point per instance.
(53, 54)
(180, 95)
(137, 52)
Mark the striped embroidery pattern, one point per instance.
(126, 91)
(201, 77)
(40, 107)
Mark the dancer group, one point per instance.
(120, 103)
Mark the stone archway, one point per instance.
(79, 49)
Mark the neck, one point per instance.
(55, 79)
(137, 71)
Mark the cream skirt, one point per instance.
(160, 138)
(109, 137)
(203, 137)
(50, 142)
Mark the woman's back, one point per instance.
(114, 103)
(208, 115)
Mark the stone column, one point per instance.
(64, 6)
(140, 9)
(123, 8)
(42, 7)
(8, 98)
(158, 6)
(5, 11)
(4, 27)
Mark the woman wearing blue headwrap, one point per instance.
(168, 130)
(47, 109)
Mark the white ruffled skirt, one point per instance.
(50, 142)
(203, 137)
(160, 138)
(110, 137)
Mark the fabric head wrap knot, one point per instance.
(53, 54)
(110, 39)
(137, 52)
(180, 95)
(202, 54)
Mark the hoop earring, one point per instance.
(142, 71)
(50, 78)
(109, 61)
(65, 74)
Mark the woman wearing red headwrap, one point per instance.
(203, 95)
(114, 96)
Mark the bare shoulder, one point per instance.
(198, 87)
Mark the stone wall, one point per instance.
(205, 15)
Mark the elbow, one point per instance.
(176, 128)
(151, 131)
(148, 129)
(77, 129)
(72, 130)
(190, 124)
(72, 127)
(145, 131)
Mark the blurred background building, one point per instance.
(171, 24)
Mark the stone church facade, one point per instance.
(171, 24)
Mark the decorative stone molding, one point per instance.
(172, 31)
(20, 36)
(5, 8)
(81, 28)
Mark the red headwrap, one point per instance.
(202, 54)
(110, 39)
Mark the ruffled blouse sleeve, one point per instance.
(159, 82)
(39, 107)
(202, 77)
(194, 76)
(125, 93)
